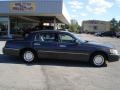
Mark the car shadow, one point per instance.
(66, 63)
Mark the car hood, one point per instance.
(96, 44)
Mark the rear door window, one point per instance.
(46, 37)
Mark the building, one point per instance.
(16, 16)
(92, 26)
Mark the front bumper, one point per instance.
(112, 58)
(11, 51)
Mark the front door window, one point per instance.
(65, 38)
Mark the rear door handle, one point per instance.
(63, 46)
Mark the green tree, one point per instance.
(114, 24)
(79, 29)
(119, 26)
(74, 26)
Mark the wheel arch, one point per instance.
(27, 48)
(98, 52)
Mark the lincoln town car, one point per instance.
(59, 45)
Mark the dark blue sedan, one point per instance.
(54, 44)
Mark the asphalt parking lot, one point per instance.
(59, 75)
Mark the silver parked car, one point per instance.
(117, 34)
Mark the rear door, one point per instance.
(46, 44)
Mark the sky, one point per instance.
(93, 9)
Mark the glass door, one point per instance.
(4, 27)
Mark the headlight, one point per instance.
(113, 51)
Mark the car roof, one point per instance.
(50, 31)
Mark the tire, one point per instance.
(28, 56)
(98, 60)
(118, 36)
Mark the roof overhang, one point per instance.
(51, 8)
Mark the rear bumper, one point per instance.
(112, 58)
(11, 51)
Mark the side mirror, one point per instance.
(77, 41)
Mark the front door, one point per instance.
(69, 49)
(46, 44)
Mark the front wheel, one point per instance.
(28, 56)
(98, 60)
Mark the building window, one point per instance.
(3, 26)
(95, 27)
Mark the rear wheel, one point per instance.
(28, 56)
(98, 60)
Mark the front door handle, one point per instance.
(63, 46)
(36, 44)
